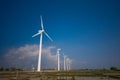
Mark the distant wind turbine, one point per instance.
(68, 62)
(58, 57)
(64, 56)
(67, 66)
(40, 47)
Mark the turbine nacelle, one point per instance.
(58, 49)
(40, 31)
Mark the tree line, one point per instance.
(10, 69)
(113, 68)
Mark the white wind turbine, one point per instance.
(68, 62)
(64, 56)
(58, 57)
(40, 47)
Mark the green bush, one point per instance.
(114, 68)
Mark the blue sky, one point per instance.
(88, 31)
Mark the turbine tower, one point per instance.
(58, 57)
(67, 66)
(64, 56)
(40, 46)
(68, 61)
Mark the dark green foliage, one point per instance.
(13, 69)
(1, 69)
(7, 69)
(10, 69)
(114, 68)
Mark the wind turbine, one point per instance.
(40, 32)
(64, 56)
(58, 57)
(33, 68)
(68, 62)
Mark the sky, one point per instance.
(87, 31)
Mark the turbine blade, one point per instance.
(48, 36)
(36, 34)
(41, 22)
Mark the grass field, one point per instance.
(61, 75)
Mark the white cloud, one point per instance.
(27, 55)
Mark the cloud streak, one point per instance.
(27, 55)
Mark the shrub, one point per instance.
(114, 68)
